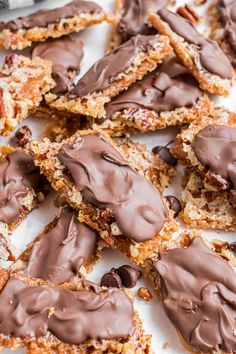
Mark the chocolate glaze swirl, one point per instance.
(169, 87)
(107, 181)
(66, 55)
(73, 317)
(134, 17)
(215, 148)
(18, 175)
(43, 18)
(98, 76)
(211, 56)
(199, 296)
(61, 252)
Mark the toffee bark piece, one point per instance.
(66, 55)
(206, 208)
(50, 23)
(168, 96)
(90, 171)
(227, 12)
(23, 83)
(223, 26)
(22, 187)
(198, 291)
(215, 148)
(106, 181)
(112, 74)
(208, 147)
(133, 19)
(65, 248)
(46, 318)
(204, 58)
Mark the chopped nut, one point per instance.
(188, 13)
(23, 136)
(219, 246)
(10, 59)
(51, 311)
(145, 294)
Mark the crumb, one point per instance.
(166, 346)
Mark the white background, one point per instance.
(154, 319)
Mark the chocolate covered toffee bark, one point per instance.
(223, 26)
(114, 73)
(198, 290)
(48, 319)
(133, 19)
(50, 23)
(23, 83)
(66, 55)
(166, 97)
(207, 147)
(204, 58)
(65, 248)
(22, 188)
(110, 189)
(206, 207)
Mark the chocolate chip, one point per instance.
(129, 275)
(174, 204)
(111, 280)
(232, 246)
(23, 136)
(164, 153)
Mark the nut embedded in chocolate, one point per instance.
(164, 153)
(174, 204)
(111, 280)
(23, 136)
(129, 275)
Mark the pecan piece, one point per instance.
(187, 12)
(23, 136)
(145, 294)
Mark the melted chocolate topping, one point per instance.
(106, 181)
(66, 54)
(169, 87)
(227, 13)
(134, 17)
(215, 147)
(199, 296)
(211, 56)
(18, 175)
(43, 18)
(72, 317)
(62, 250)
(99, 75)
